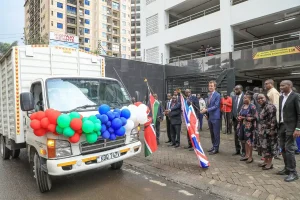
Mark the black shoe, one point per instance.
(291, 177)
(243, 154)
(177, 145)
(236, 153)
(210, 150)
(213, 152)
(297, 152)
(158, 143)
(168, 141)
(191, 149)
(200, 129)
(188, 147)
(283, 172)
(171, 145)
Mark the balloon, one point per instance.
(124, 107)
(117, 110)
(45, 123)
(75, 138)
(98, 116)
(97, 127)
(103, 128)
(55, 133)
(104, 118)
(48, 112)
(63, 121)
(79, 131)
(68, 132)
(97, 121)
(125, 113)
(59, 130)
(137, 103)
(53, 116)
(88, 126)
(106, 135)
(74, 115)
(112, 136)
(40, 132)
(93, 118)
(108, 124)
(142, 118)
(91, 138)
(129, 126)
(103, 109)
(121, 131)
(133, 117)
(110, 115)
(111, 130)
(117, 115)
(35, 124)
(52, 128)
(33, 116)
(40, 115)
(142, 108)
(116, 123)
(99, 133)
(76, 124)
(124, 121)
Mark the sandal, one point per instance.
(267, 168)
(249, 161)
(244, 159)
(262, 164)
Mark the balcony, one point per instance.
(71, 30)
(71, 22)
(73, 2)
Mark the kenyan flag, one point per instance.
(150, 138)
(154, 104)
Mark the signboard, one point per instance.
(276, 52)
(61, 39)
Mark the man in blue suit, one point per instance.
(213, 112)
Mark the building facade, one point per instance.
(103, 25)
(136, 30)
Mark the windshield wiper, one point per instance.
(79, 107)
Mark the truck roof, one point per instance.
(68, 76)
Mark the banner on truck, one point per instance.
(276, 52)
(60, 39)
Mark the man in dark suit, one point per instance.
(159, 118)
(237, 103)
(214, 112)
(289, 128)
(168, 107)
(195, 103)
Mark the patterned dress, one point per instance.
(267, 130)
(247, 126)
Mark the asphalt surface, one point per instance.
(17, 182)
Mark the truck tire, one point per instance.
(15, 153)
(43, 180)
(5, 152)
(117, 165)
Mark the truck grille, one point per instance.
(101, 145)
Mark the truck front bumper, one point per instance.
(87, 162)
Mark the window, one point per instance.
(123, 48)
(51, 23)
(104, 26)
(104, 44)
(52, 13)
(123, 31)
(86, 40)
(86, 49)
(59, 5)
(59, 15)
(124, 15)
(123, 23)
(104, 34)
(128, 56)
(87, 2)
(87, 21)
(115, 6)
(124, 7)
(87, 12)
(71, 10)
(51, 2)
(124, 56)
(59, 25)
(123, 39)
(104, 17)
(104, 8)
(87, 31)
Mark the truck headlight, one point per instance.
(58, 148)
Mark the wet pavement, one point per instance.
(17, 182)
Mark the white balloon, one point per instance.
(142, 108)
(132, 107)
(129, 126)
(133, 116)
(142, 119)
(124, 107)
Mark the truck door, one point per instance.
(38, 96)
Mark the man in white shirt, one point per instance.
(272, 94)
(168, 124)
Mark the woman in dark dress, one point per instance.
(267, 131)
(247, 125)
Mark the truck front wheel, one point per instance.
(117, 165)
(15, 153)
(5, 153)
(43, 180)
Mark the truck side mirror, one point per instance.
(27, 101)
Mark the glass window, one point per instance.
(59, 5)
(123, 31)
(86, 49)
(104, 34)
(87, 2)
(87, 12)
(104, 17)
(123, 55)
(86, 30)
(71, 10)
(86, 40)
(87, 21)
(104, 26)
(104, 8)
(115, 6)
(123, 23)
(124, 15)
(60, 25)
(59, 15)
(123, 48)
(124, 6)
(104, 44)
(123, 39)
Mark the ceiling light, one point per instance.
(295, 73)
(285, 20)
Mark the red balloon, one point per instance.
(55, 133)
(137, 103)
(148, 110)
(81, 116)
(76, 124)
(35, 124)
(48, 112)
(40, 115)
(52, 128)
(45, 123)
(79, 131)
(75, 138)
(33, 116)
(40, 132)
(53, 116)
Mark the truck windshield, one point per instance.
(65, 94)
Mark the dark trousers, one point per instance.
(238, 147)
(200, 121)
(168, 124)
(157, 130)
(288, 146)
(214, 128)
(175, 133)
(228, 123)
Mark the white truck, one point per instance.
(39, 77)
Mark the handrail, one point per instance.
(194, 16)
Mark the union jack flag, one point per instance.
(191, 122)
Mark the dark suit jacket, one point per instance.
(236, 109)
(213, 108)
(160, 112)
(175, 114)
(195, 101)
(291, 112)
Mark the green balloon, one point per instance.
(93, 118)
(97, 127)
(88, 126)
(74, 115)
(84, 119)
(91, 138)
(59, 130)
(97, 121)
(63, 121)
(99, 133)
(68, 132)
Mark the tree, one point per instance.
(4, 47)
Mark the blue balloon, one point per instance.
(125, 113)
(117, 115)
(124, 121)
(110, 115)
(116, 123)
(103, 119)
(117, 110)
(120, 132)
(108, 124)
(98, 116)
(111, 130)
(103, 128)
(112, 136)
(106, 135)
(103, 109)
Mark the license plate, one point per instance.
(108, 156)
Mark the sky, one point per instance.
(11, 20)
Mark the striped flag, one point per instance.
(191, 122)
(154, 104)
(150, 138)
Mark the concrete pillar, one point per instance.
(227, 36)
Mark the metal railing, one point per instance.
(234, 2)
(214, 51)
(194, 16)
(267, 41)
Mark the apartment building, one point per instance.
(136, 30)
(103, 25)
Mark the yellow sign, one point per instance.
(276, 52)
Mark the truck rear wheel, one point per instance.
(15, 153)
(5, 152)
(43, 180)
(117, 165)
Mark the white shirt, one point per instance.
(169, 105)
(238, 101)
(285, 97)
(202, 103)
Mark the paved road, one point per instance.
(16, 182)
